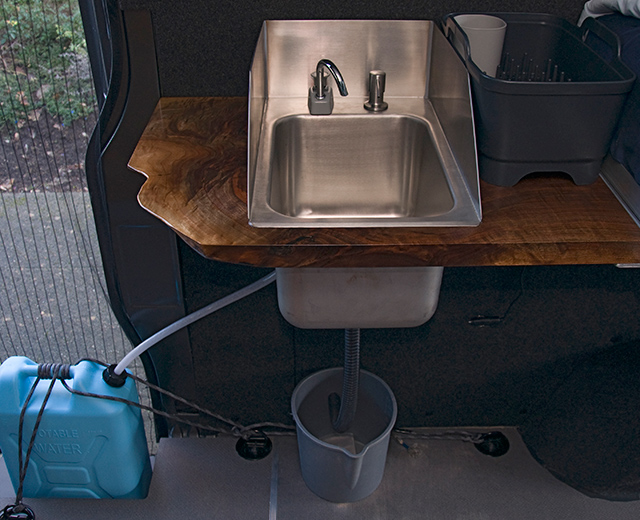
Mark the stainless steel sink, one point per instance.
(356, 166)
(412, 165)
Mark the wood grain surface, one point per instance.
(194, 155)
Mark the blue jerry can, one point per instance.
(85, 447)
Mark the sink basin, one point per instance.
(354, 298)
(356, 166)
(412, 165)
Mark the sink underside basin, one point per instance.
(356, 166)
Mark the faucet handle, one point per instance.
(377, 80)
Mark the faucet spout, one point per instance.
(321, 95)
(320, 84)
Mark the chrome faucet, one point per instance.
(321, 95)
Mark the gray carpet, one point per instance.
(436, 479)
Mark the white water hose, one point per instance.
(190, 318)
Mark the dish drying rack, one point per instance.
(529, 69)
(555, 101)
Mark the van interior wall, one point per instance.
(205, 48)
(560, 344)
(247, 358)
(456, 370)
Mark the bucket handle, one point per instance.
(591, 25)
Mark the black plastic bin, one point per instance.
(555, 102)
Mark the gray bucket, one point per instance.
(343, 467)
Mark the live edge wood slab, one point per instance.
(194, 155)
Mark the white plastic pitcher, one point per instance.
(343, 467)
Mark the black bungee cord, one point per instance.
(19, 510)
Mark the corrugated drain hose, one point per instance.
(343, 409)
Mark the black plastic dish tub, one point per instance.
(546, 126)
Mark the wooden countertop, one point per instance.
(194, 154)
